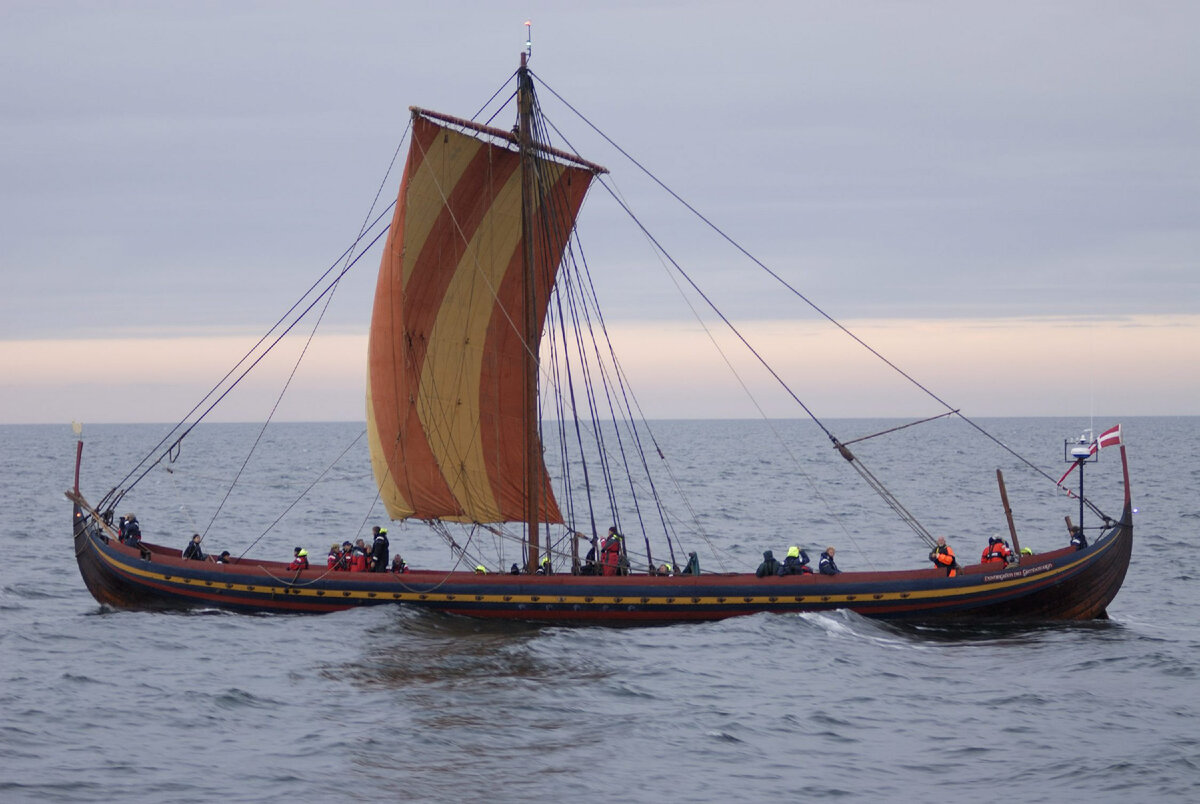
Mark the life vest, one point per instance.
(943, 556)
(299, 563)
(995, 553)
(358, 561)
(611, 556)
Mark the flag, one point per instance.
(1109, 438)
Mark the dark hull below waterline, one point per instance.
(1062, 585)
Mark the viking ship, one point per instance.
(478, 279)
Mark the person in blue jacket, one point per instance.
(826, 566)
(795, 562)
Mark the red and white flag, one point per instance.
(1109, 438)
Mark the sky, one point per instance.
(1003, 199)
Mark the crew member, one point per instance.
(825, 565)
(589, 561)
(997, 552)
(942, 557)
(379, 550)
(358, 557)
(343, 561)
(795, 562)
(193, 550)
(769, 565)
(1078, 540)
(133, 531)
(610, 553)
(299, 559)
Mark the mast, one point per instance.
(530, 324)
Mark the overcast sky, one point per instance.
(1019, 178)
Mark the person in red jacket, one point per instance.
(343, 562)
(610, 553)
(942, 557)
(997, 552)
(299, 559)
(358, 557)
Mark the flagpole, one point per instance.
(1081, 461)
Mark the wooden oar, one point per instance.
(1012, 529)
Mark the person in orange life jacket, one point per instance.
(825, 565)
(299, 559)
(795, 562)
(1078, 540)
(610, 553)
(335, 553)
(193, 550)
(379, 550)
(942, 557)
(358, 557)
(997, 552)
(398, 565)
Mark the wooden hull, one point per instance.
(1062, 585)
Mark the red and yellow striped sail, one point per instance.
(445, 394)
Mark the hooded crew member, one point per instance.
(299, 559)
(769, 565)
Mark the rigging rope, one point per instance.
(113, 497)
(304, 493)
(816, 308)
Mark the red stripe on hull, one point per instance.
(1062, 585)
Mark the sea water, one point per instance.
(393, 704)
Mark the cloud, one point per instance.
(1130, 365)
